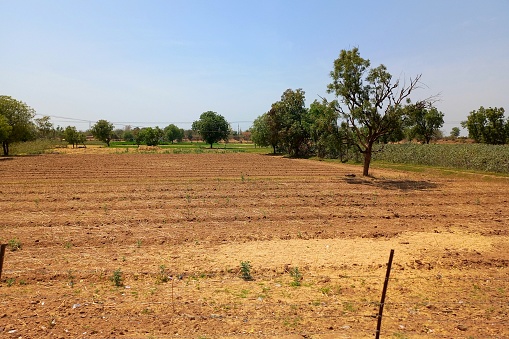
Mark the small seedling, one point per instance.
(296, 275)
(117, 278)
(70, 276)
(138, 243)
(245, 269)
(163, 275)
(14, 244)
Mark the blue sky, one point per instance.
(147, 63)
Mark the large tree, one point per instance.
(103, 130)
(424, 122)
(172, 133)
(18, 116)
(212, 127)
(292, 119)
(325, 133)
(370, 102)
(487, 125)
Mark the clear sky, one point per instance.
(155, 62)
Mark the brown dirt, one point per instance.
(81, 216)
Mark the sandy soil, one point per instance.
(175, 229)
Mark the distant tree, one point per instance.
(73, 136)
(371, 103)
(292, 116)
(260, 132)
(424, 122)
(18, 116)
(325, 133)
(189, 134)
(455, 132)
(44, 127)
(487, 125)
(151, 136)
(172, 133)
(212, 127)
(103, 130)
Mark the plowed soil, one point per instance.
(151, 246)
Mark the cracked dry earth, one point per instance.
(151, 246)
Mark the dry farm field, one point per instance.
(247, 246)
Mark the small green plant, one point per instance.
(138, 243)
(10, 281)
(162, 277)
(296, 275)
(245, 269)
(70, 276)
(68, 244)
(14, 244)
(117, 278)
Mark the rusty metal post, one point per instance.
(2, 254)
(382, 301)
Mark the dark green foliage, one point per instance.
(103, 130)
(212, 127)
(487, 125)
(150, 136)
(15, 122)
(172, 133)
(424, 122)
(245, 270)
(73, 137)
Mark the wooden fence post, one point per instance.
(2, 254)
(382, 301)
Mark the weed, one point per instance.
(70, 276)
(22, 282)
(138, 243)
(296, 275)
(117, 278)
(348, 307)
(14, 244)
(162, 277)
(10, 281)
(245, 269)
(243, 293)
(68, 244)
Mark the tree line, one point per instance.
(370, 107)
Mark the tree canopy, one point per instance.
(487, 125)
(369, 101)
(103, 130)
(15, 122)
(424, 122)
(212, 127)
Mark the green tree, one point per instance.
(73, 136)
(103, 130)
(455, 132)
(44, 127)
(292, 117)
(212, 127)
(487, 125)
(260, 132)
(151, 136)
(371, 103)
(18, 116)
(172, 133)
(327, 137)
(424, 122)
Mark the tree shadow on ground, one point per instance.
(390, 184)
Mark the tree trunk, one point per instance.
(5, 146)
(367, 160)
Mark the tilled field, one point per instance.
(151, 246)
